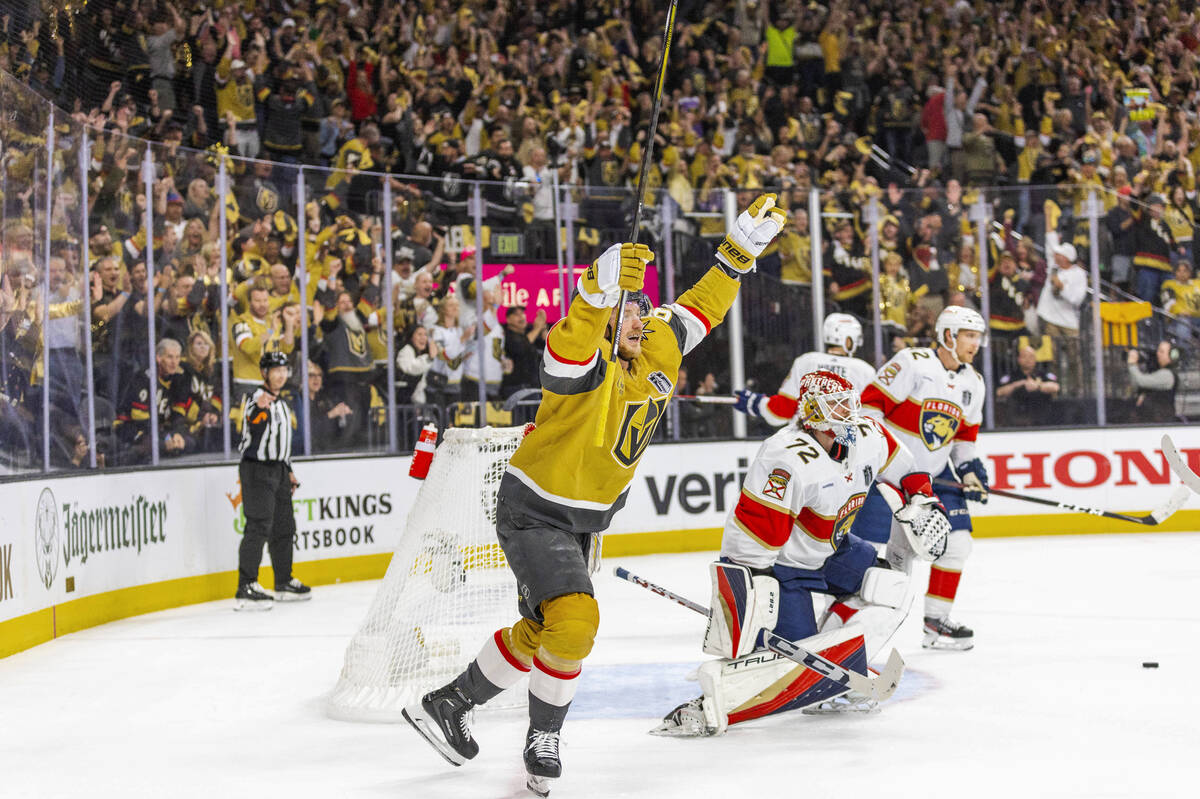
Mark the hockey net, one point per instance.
(447, 587)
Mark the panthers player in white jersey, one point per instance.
(932, 400)
(842, 334)
(787, 538)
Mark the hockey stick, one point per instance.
(1157, 516)
(708, 399)
(1184, 472)
(668, 32)
(878, 688)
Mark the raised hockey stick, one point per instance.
(878, 688)
(1158, 516)
(1175, 461)
(668, 32)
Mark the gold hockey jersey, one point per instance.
(558, 476)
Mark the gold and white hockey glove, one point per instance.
(620, 267)
(751, 233)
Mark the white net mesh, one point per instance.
(447, 587)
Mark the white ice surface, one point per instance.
(1053, 701)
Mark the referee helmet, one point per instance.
(271, 359)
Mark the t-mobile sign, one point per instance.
(536, 287)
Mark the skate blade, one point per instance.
(539, 786)
(421, 724)
(285, 596)
(253, 605)
(948, 644)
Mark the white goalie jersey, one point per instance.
(779, 409)
(934, 412)
(798, 503)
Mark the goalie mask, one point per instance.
(829, 403)
(842, 330)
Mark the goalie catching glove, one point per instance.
(752, 232)
(921, 516)
(622, 267)
(742, 604)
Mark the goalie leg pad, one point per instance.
(763, 683)
(879, 607)
(742, 605)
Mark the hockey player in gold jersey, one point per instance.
(561, 490)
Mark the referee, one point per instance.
(267, 486)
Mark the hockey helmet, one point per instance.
(643, 302)
(271, 359)
(842, 330)
(955, 318)
(828, 402)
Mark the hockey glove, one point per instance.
(921, 516)
(752, 232)
(974, 479)
(620, 267)
(748, 402)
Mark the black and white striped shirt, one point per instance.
(266, 432)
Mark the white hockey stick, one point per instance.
(877, 688)
(1176, 462)
(708, 399)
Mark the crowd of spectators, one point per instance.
(914, 111)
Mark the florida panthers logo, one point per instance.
(845, 519)
(940, 421)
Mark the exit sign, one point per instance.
(508, 244)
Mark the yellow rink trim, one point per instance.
(44, 625)
(89, 611)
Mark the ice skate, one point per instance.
(541, 760)
(946, 634)
(292, 591)
(442, 717)
(685, 721)
(252, 596)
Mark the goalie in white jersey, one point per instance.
(787, 538)
(931, 399)
(842, 334)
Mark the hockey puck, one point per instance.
(1150, 664)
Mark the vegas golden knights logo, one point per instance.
(357, 341)
(637, 428)
(267, 200)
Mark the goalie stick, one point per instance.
(877, 688)
(1157, 516)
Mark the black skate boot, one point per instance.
(541, 760)
(292, 591)
(441, 717)
(946, 634)
(251, 596)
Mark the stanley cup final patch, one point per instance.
(660, 382)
